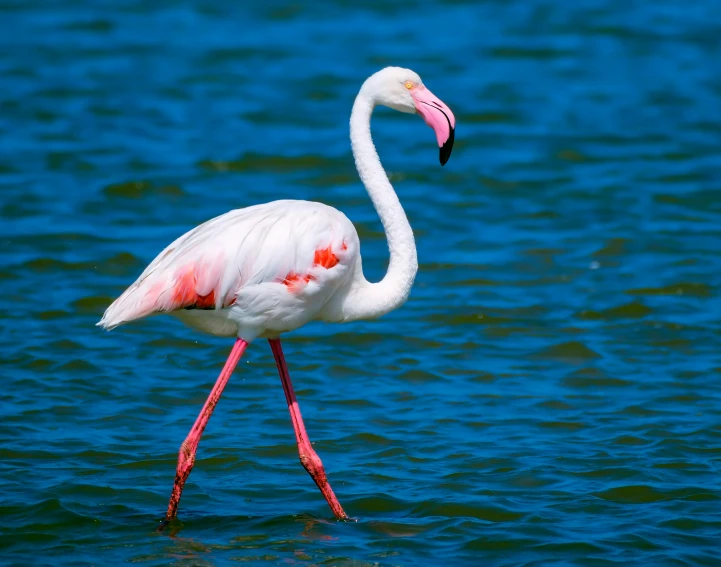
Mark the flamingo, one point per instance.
(267, 269)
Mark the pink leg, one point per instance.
(186, 457)
(308, 457)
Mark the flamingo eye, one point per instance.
(409, 85)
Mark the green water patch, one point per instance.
(498, 185)
(17, 209)
(119, 264)
(631, 440)
(572, 352)
(637, 410)
(572, 155)
(419, 376)
(703, 200)
(254, 162)
(490, 543)
(676, 465)
(473, 282)
(645, 494)
(283, 118)
(555, 405)
(93, 25)
(579, 548)
(633, 310)
(141, 189)
(687, 524)
(435, 508)
(234, 54)
(38, 365)
(66, 161)
(78, 365)
(608, 474)
(327, 180)
(378, 503)
(52, 265)
(613, 248)
(8, 169)
(516, 52)
(682, 288)
(92, 304)
(367, 231)
(52, 314)
(563, 425)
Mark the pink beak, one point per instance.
(439, 117)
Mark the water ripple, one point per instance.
(550, 393)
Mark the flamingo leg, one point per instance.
(186, 456)
(308, 457)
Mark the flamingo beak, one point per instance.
(438, 116)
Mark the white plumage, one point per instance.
(240, 261)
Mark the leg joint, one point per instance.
(311, 462)
(186, 456)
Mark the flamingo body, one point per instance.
(268, 269)
(253, 272)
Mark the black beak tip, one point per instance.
(447, 148)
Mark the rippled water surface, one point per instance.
(549, 395)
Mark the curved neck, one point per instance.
(368, 300)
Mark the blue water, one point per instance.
(549, 395)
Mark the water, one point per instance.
(549, 395)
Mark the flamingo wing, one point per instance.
(260, 254)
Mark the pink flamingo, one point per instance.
(268, 269)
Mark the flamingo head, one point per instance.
(403, 90)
